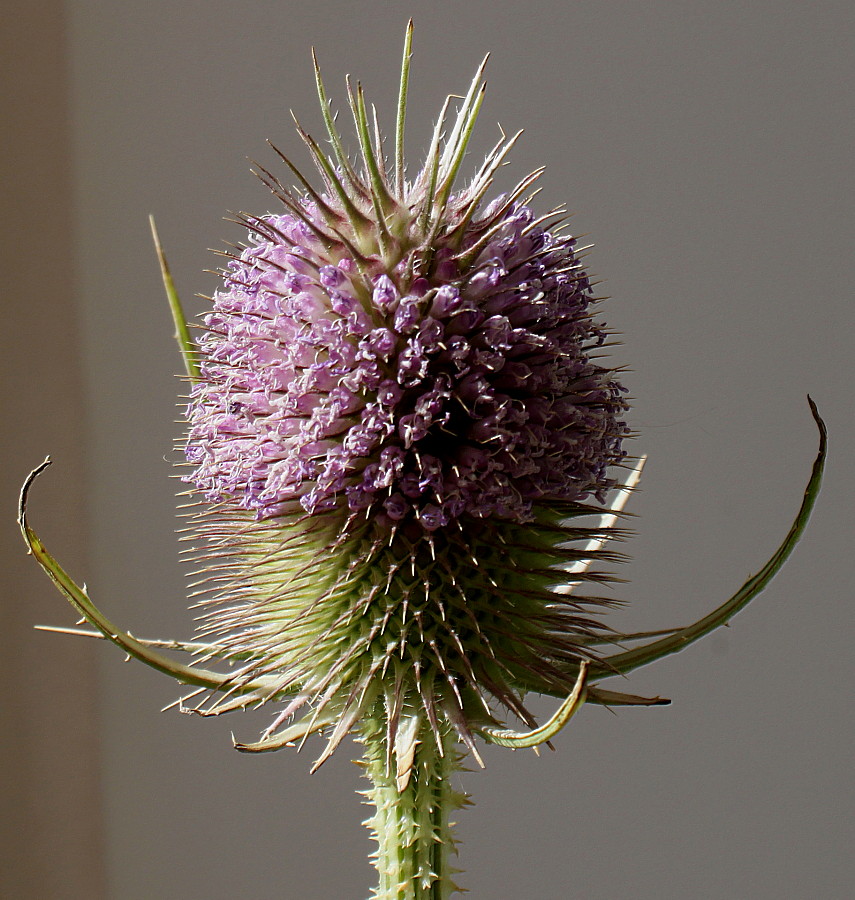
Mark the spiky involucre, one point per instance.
(399, 419)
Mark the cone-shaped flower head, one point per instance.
(401, 409)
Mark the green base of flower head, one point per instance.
(345, 616)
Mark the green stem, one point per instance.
(411, 822)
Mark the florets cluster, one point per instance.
(419, 394)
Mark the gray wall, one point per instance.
(51, 842)
(706, 150)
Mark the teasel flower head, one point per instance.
(401, 409)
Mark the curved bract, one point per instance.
(622, 663)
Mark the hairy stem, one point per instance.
(411, 822)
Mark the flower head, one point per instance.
(401, 406)
(450, 384)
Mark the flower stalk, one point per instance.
(413, 804)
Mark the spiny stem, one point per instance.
(411, 822)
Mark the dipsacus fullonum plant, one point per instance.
(405, 459)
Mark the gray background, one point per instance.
(706, 149)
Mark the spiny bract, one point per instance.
(400, 415)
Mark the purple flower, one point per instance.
(402, 410)
(495, 361)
